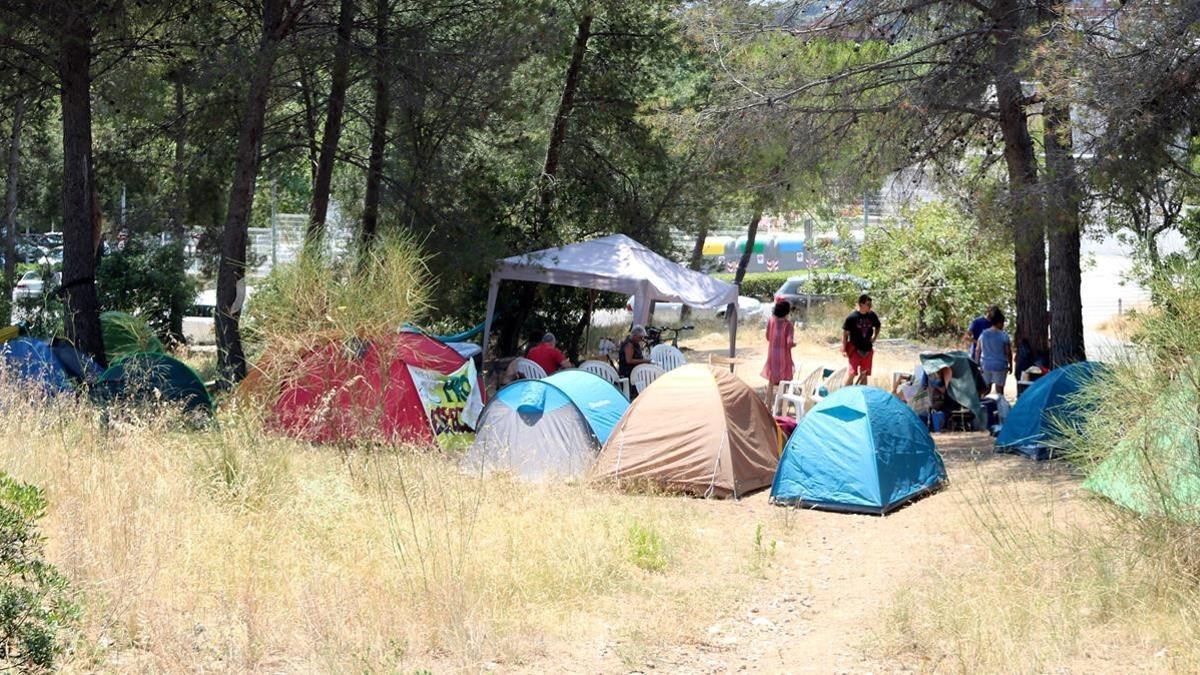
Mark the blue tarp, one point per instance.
(1029, 429)
(33, 362)
(52, 368)
(859, 450)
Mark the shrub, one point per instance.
(35, 602)
(647, 549)
(146, 279)
(317, 301)
(934, 271)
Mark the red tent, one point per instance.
(363, 389)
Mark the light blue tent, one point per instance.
(859, 450)
(1030, 427)
(549, 427)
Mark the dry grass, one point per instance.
(1052, 590)
(229, 549)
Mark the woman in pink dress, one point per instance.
(780, 342)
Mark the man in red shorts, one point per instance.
(859, 331)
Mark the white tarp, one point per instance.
(617, 264)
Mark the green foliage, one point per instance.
(762, 285)
(935, 270)
(148, 280)
(647, 549)
(35, 599)
(763, 553)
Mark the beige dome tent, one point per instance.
(698, 430)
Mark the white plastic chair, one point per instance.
(798, 393)
(667, 357)
(607, 373)
(528, 370)
(644, 374)
(831, 384)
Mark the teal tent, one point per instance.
(965, 380)
(553, 426)
(154, 377)
(1046, 406)
(859, 450)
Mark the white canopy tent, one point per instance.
(617, 264)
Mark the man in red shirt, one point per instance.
(548, 356)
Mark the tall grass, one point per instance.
(230, 549)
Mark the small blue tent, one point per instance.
(52, 368)
(1030, 427)
(859, 450)
(554, 426)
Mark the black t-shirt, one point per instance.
(861, 328)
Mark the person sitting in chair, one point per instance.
(547, 355)
(629, 353)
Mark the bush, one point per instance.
(35, 603)
(146, 279)
(317, 301)
(935, 270)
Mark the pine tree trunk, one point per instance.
(333, 126)
(1063, 203)
(12, 183)
(1029, 239)
(510, 329)
(685, 312)
(370, 216)
(178, 208)
(231, 359)
(751, 234)
(558, 131)
(81, 317)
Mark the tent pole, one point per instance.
(732, 313)
(493, 290)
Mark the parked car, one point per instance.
(747, 306)
(819, 287)
(51, 257)
(31, 285)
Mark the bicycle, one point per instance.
(654, 334)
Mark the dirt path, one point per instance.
(834, 575)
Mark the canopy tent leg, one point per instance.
(732, 313)
(641, 305)
(493, 291)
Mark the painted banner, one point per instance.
(452, 401)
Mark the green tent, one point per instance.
(1155, 470)
(155, 377)
(125, 334)
(964, 384)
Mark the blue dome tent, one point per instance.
(553, 426)
(860, 450)
(1030, 427)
